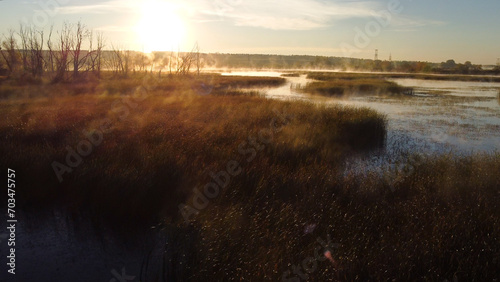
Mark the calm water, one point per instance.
(441, 116)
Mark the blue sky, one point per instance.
(413, 30)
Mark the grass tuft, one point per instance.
(341, 84)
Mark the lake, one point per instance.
(442, 115)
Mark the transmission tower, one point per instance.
(376, 54)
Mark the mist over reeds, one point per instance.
(433, 218)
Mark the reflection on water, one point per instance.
(462, 115)
(456, 88)
(57, 245)
(288, 90)
(458, 115)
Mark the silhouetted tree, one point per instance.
(59, 52)
(31, 51)
(10, 52)
(95, 55)
(77, 37)
(119, 61)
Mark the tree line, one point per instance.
(30, 53)
(305, 62)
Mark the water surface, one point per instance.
(442, 115)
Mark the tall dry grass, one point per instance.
(340, 84)
(162, 147)
(356, 87)
(439, 221)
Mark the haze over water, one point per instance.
(441, 116)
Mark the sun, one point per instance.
(160, 27)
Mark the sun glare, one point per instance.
(160, 28)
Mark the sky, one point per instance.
(419, 30)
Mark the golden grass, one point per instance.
(353, 87)
(438, 220)
(124, 86)
(340, 84)
(167, 140)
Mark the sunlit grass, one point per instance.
(435, 219)
(124, 86)
(340, 84)
(162, 146)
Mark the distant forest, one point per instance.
(338, 63)
(59, 55)
(171, 62)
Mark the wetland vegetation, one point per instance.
(341, 86)
(241, 186)
(151, 145)
(435, 218)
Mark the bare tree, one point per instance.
(23, 34)
(139, 61)
(198, 65)
(68, 51)
(160, 61)
(127, 59)
(116, 60)
(35, 52)
(31, 50)
(119, 61)
(186, 60)
(50, 64)
(64, 50)
(164, 62)
(79, 59)
(10, 52)
(170, 60)
(95, 55)
(60, 53)
(3, 70)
